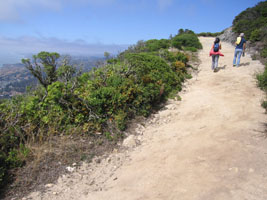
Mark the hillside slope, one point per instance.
(210, 145)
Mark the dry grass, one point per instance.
(48, 161)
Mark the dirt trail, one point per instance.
(208, 146)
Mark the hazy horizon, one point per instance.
(25, 47)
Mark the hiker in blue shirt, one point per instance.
(239, 49)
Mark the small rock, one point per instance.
(74, 164)
(49, 185)
(24, 198)
(70, 169)
(251, 170)
(115, 150)
(54, 193)
(129, 142)
(139, 138)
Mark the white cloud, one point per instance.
(15, 49)
(164, 4)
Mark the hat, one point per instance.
(242, 35)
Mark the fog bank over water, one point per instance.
(12, 50)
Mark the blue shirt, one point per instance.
(240, 45)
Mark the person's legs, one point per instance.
(216, 61)
(234, 61)
(238, 57)
(213, 62)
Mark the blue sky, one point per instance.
(90, 27)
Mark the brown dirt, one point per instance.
(48, 161)
(208, 146)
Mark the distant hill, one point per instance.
(14, 78)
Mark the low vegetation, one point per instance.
(209, 34)
(104, 100)
(262, 83)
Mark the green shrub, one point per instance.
(3, 169)
(209, 34)
(179, 66)
(262, 83)
(155, 45)
(186, 40)
(255, 35)
(148, 46)
(262, 80)
(251, 22)
(264, 105)
(193, 49)
(264, 53)
(174, 56)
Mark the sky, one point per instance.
(91, 27)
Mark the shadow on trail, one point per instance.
(220, 68)
(245, 64)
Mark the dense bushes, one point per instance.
(155, 45)
(149, 46)
(186, 39)
(262, 83)
(209, 34)
(252, 22)
(262, 80)
(12, 150)
(102, 100)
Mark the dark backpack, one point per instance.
(216, 47)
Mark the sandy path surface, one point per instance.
(208, 146)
